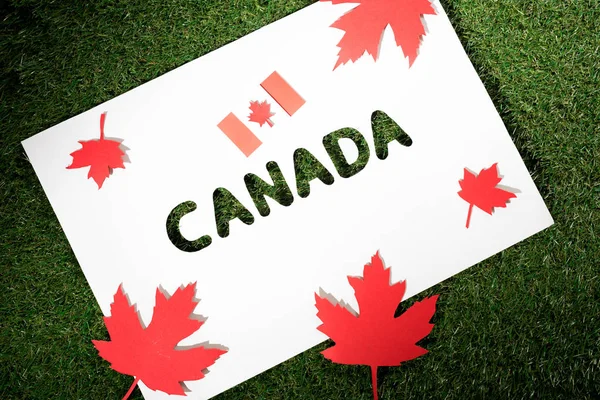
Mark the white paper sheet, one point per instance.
(257, 285)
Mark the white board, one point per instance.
(257, 285)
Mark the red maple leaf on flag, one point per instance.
(481, 191)
(149, 353)
(375, 337)
(261, 113)
(100, 155)
(364, 26)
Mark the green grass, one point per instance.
(522, 324)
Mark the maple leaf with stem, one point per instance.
(149, 353)
(364, 26)
(100, 155)
(261, 113)
(481, 191)
(375, 337)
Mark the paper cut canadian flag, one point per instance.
(282, 92)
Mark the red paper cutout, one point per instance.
(261, 113)
(365, 23)
(375, 337)
(283, 93)
(481, 191)
(100, 155)
(239, 134)
(149, 353)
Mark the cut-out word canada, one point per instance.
(307, 168)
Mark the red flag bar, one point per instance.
(239, 134)
(283, 93)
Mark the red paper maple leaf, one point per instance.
(481, 191)
(375, 337)
(261, 113)
(365, 23)
(100, 155)
(149, 353)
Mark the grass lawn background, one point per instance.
(522, 324)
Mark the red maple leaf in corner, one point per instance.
(100, 155)
(364, 26)
(375, 337)
(149, 353)
(261, 113)
(481, 191)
